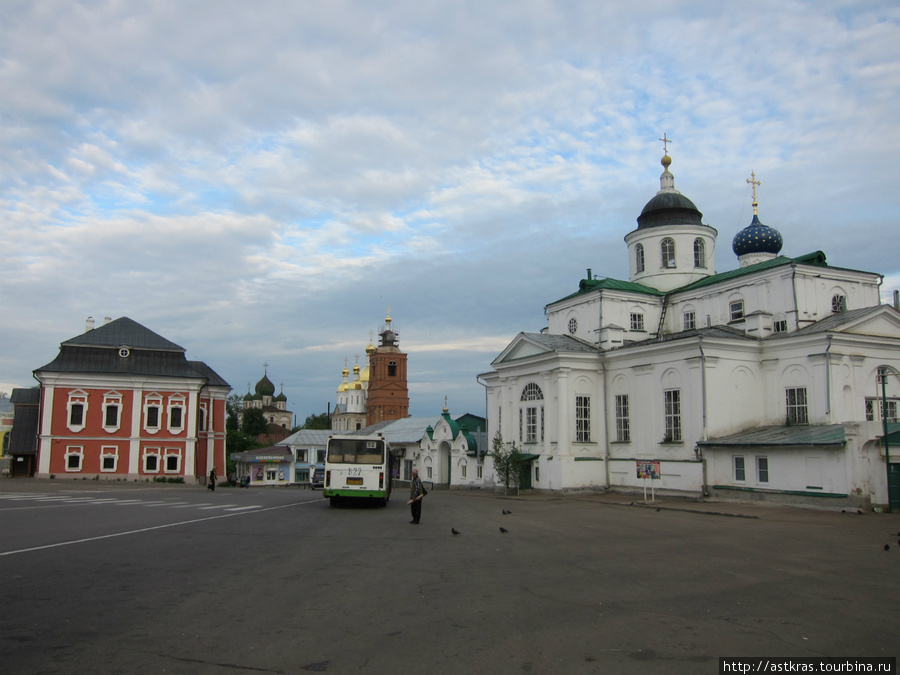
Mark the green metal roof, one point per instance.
(590, 285)
(813, 434)
(816, 258)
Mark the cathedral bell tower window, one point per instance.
(667, 251)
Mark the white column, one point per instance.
(45, 439)
(134, 446)
(564, 420)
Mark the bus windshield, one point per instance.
(352, 451)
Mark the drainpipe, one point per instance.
(794, 292)
(828, 380)
(605, 422)
(705, 431)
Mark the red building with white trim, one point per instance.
(121, 402)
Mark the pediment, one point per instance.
(883, 321)
(522, 347)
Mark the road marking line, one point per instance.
(244, 508)
(150, 529)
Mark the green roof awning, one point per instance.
(528, 457)
(796, 435)
(893, 435)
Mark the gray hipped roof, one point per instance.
(98, 351)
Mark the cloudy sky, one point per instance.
(260, 181)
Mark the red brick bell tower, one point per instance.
(387, 397)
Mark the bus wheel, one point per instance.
(334, 501)
(383, 501)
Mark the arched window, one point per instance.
(531, 415)
(392, 369)
(532, 392)
(699, 253)
(667, 251)
(639, 258)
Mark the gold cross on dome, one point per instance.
(752, 180)
(665, 142)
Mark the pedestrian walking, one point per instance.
(212, 479)
(417, 492)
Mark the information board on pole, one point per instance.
(648, 470)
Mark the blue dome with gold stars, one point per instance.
(757, 238)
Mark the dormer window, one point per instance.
(667, 251)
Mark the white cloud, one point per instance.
(260, 182)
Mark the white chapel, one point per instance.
(763, 382)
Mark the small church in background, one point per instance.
(274, 408)
(379, 392)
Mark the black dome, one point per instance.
(669, 208)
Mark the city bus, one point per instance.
(357, 467)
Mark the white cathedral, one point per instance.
(758, 383)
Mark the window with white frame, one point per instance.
(780, 324)
(690, 320)
(583, 419)
(301, 454)
(176, 413)
(736, 310)
(172, 461)
(876, 408)
(77, 410)
(623, 423)
(839, 303)
(762, 469)
(699, 253)
(74, 457)
(109, 458)
(637, 321)
(795, 405)
(740, 472)
(639, 258)
(531, 414)
(152, 413)
(667, 252)
(672, 403)
(201, 417)
(462, 470)
(112, 411)
(151, 461)
(478, 471)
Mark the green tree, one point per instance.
(320, 421)
(254, 422)
(507, 463)
(233, 406)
